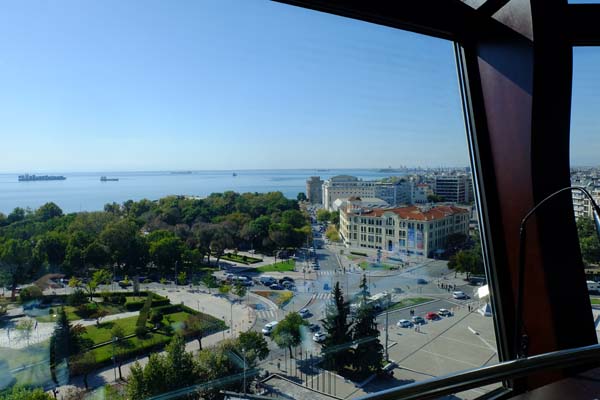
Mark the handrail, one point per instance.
(477, 377)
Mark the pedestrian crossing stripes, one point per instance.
(327, 273)
(267, 314)
(323, 296)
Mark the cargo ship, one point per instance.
(35, 178)
(105, 179)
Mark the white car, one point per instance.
(444, 312)
(268, 328)
(304, 312)
(319, 337)
(404, 323)
(459, 295)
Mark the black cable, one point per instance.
(521, 340)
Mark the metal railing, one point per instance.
(474, 378)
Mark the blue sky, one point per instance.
(223, 84)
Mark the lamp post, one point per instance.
(244, 354)
(114, 340)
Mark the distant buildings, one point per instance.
(455, 188)
(417, 230)
(314, 190)
(346, 186)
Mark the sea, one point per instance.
(83, 191)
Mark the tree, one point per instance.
(239, 290)
(335, 348)
(24, 327)
(255, 346)
(48, 211)
(30, 293)
(128, 250)
(221, 240)
(95, 254)
(323, 215)
(166, 252)
(99, 277)
(118, 334)
(64, 343)
(22, 393)
(301, 197)
(181, 278)
(82, 364)
(16, 260)
(455, 241)
(18, 214)
(434, 198)
(180, 367)
(288, 332)
(467, 261)
(588, 240)
(195, 326)
(364, 288)
(368, 355)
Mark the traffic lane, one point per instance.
(420, 310)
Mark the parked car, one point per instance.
(314, 328)
(432, 316)
(268, 328)
(421, 281)
(267, 280)
(304, 313)
(319, 337)
(286, 278)
(444, 312)
(418, 320)
(276, 286)
(288, 285)
(404, 323)
(459, 295)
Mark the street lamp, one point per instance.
(244, 354)
(114, 340)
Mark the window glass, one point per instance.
(223, 198)
(585, 148)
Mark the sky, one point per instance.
(224, 84)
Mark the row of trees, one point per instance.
(588, 240)
(174, 234)
(201, 376)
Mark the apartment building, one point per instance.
(346, 186)
(454, 188)
(419, 230)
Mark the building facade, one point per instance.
(406, 230)
(346, 186)
(314, 189)
(454, 188)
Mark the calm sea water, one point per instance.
(85, 192)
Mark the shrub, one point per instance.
(30, 293)
(358, 253)
(156, 317)
(144, 313)
(85, 310)
(77, 298)
(140, 331)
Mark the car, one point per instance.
(316, 267)
(421, 281)
(288, 285)
(444, 312)
(268, 328)
(319, 337)
(276, 286)
(432, 316)
(460, 295)
(418, 320)
(314, 328)
(304, 312)
(404, 323)
(286, 278)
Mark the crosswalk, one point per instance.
(327, 273)
(267, 314)
(323, 296)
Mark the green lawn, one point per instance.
(72, 314)
(595, 300)
(240, 259)
(282, 266)
(102, 333)
(34, 358)
(366, 264)
(104, 353)
(409, 302)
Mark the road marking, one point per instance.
(469, 344)
(449, 358)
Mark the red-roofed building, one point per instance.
(412, 230)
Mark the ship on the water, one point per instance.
(106, 179)
(35, 178)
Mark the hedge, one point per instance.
(358, 253)
(156, 302)
(143, 317)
